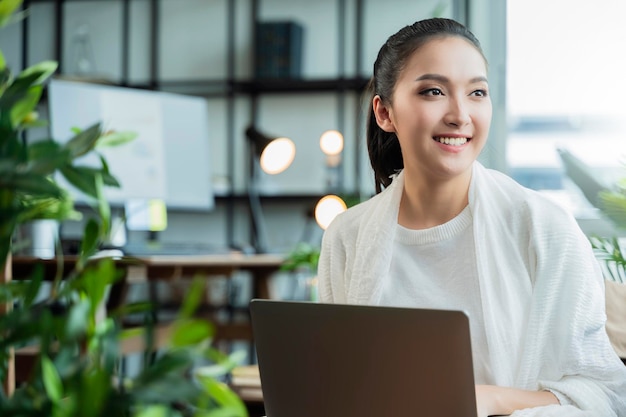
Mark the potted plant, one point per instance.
(301, 262)
(611, 253)
(77, 370)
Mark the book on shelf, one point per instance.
(246, 382)
(278, 50)
(246, 376)
(249, 394)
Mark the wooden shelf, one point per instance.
(301, 86)
(223, 88)
(282, 198)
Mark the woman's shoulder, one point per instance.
(364, 216)
(536, 206)
(519, 194)
(351, 219)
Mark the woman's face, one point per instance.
(440, 109)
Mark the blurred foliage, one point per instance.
(303, 255)
(78, 365)
(608, 249)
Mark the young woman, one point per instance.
(445, 232)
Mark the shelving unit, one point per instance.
(228, 88)
(346, 86)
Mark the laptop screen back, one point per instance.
(347, 360)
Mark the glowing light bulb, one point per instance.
(331, 142)
(327, 209)
(278, 155)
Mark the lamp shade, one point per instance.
(276, 153)
(327, 209)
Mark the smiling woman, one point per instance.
(444, 232)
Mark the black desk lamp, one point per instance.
(273, 155)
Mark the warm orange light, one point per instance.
(327, 209)
(331, 142)
(278, 155)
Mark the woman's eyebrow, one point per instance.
(433, 77)
(444, 79)
(479, 79)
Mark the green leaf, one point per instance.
(26, 105)
(224, 363)
(92, 401)
(614, 207)
(7, 8)
(34, 208)
(104, 210)
(39, 72)
(46, 156)
(34, 286)
(5, 75)
(17, 90)
(85, 141)
(11, 145)
(107, 178)
(83, 178)
(8, 166)
(29, 183)
(153, 411)
(95, 283)
(191, 332)
(132, 308)
(224, 397)
(35, 122)
(51, 380)
(193, 298)
(90, 238)
(609, 251)
(3, 63)
(304, 255)
(78, 319)
(224, 412)
(112, 138)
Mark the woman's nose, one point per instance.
(458, 114)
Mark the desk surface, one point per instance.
(234, 259)
(168, 267)
(22, 264)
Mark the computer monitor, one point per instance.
(170, 158)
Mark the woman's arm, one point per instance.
(492, 400)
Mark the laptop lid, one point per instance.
(354, 361)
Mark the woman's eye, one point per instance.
(479, 93)
(431, 92)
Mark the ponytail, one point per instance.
(384, 152)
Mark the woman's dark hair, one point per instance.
(383, 147)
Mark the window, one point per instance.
(566, 87)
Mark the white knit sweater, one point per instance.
(542, 288)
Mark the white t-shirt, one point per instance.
(435, 268)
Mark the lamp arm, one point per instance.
(259, 238)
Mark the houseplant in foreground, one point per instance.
(77, 366)
(610, 251)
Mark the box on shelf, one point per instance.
(278, 49)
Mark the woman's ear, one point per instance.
(383, 118)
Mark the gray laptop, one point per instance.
(336, 360)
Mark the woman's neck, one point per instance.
(427, 204)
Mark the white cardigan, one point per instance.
(544, 323)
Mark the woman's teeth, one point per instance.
(452, 141)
